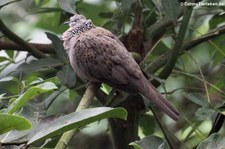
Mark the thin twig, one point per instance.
(158, 63)
(9, 3)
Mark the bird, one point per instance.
(97, 55)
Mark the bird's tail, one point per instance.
(149, 91)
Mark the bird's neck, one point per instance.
(82, 27)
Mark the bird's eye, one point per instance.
(75, 20)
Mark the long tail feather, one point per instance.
(149, 91)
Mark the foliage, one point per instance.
(39, 91)
(154, 142)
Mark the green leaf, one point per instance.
(197, 98)
(214, 141)
(2, 96)
(10, 122)
(150, 142)
(13, 79)
(67, 6)
(204, 113)
(106, 15)
(40, 2)
(32, 80)
(144, 122)
(10, 53)
(67, 76)
(216, 20)
(78, 119)
(38, 123)
(3, 58)
(171, 8)
(12, 100)
(54, 80)
(29, 94)
(58, 46)
(44, 64)
(9, 79)
(221, 108)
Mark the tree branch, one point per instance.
(157, 64)
(124, 132)
(208, 36)
(44, 48)
(35, 52)
(177, 46)
(133, 41)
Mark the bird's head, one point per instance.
(78, 24)
(76, 20)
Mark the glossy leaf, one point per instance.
(29, 94)
(45, 64)
(216, 20)
(147, 124)
(10, 54)
(58, 46)
(197, 98)
(215, 141)
(10, 122)
(9, 79)
(32, 80)
(150, 142)
(78, 119)
(3, 58)
(67, 6)
(204, 113)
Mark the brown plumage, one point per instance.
(97, 55)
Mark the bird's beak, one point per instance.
(66, 23)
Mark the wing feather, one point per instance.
(100, 57)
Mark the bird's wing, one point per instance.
(103, 58)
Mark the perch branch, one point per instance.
(84, 104)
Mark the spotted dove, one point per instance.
(97, 55)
